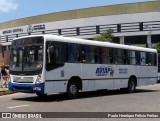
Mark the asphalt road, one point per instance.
(145, 99)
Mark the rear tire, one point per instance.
(131, 85)
(72, 89)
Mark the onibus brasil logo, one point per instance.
(104, 71)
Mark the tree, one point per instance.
(106, 36)
(157, 47)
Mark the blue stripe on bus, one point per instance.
(103, 79)
(27, 88)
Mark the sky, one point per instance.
(16, 9)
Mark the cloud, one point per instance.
(7, 5)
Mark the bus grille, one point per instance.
(23, 80)
(22, 88)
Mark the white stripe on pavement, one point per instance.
(19, 106)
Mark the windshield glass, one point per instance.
(26, 54)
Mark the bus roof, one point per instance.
(90, 42)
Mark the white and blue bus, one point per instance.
(48, 64)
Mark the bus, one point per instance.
(51, 64)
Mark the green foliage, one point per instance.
(157, 47)
(106, 36)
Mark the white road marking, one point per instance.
(19, 106)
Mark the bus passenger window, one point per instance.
(138, 58)
(155, 59)
(132, 57)
(55, 56)
(104, 55)
(96, 54)
(151, 60)
(143, 58)
(111, 59)
(85, 54)
(118, 56)
(126, 57)
(88, 54)
(83, 57)
(73, 55)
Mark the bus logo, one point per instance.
(30, 28)
(104, 71)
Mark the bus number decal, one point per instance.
(123, 70)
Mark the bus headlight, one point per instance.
(39, 80)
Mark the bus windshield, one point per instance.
(26, 54)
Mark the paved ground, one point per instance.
(4, 91)
(146, 99)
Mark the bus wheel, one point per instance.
(131, 85)
(41, 95)
(72, 89)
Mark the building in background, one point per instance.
(133, 24)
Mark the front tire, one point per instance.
(131, 85)
(41, 95)
(72, 89)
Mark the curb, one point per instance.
(6, 92)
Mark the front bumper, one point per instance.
(27, 88)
